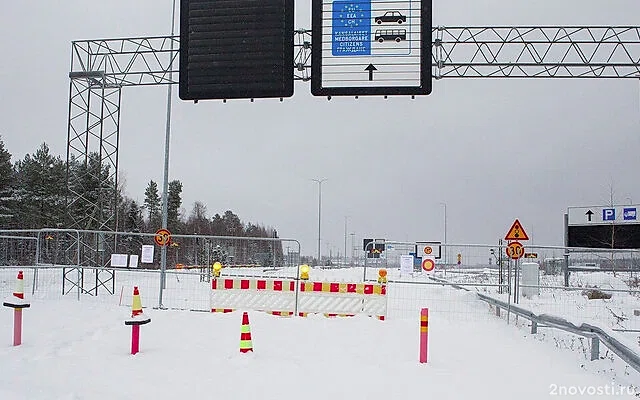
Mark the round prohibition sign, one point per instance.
(428, 250)
(428, 264)
(515, 250)
(162, 237)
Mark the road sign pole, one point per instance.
(500, 269)
(516, 282)
(165, 180)
(508, 289)
(566, 250)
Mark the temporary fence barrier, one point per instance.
(288, 297)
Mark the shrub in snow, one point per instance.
(595, 294)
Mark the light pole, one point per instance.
(319, 181)
(345, 239)
(352, 234)
(445, 233)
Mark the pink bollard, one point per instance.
(135, 339)
(17, 326)
(424, 334)
(17, 304)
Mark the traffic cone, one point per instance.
(19, 293)
(245, 335)
(136, 307)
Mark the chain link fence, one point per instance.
(582, 284)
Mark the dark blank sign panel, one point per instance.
(234, 49)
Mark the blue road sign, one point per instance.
(351, 22)
(608, 214)
(630, 214)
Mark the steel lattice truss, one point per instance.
(101, 68)
(537, 52)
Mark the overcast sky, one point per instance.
(492, 150)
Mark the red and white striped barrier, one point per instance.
(342, 299)
(278, 297)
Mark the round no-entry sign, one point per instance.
(428, 264)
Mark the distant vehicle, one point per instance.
(390, 34)
(391, 16)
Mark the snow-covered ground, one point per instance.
(78, 349)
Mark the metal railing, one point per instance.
(596, 334)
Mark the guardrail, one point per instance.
(596, 334)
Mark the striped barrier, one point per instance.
(276, 296)
(279, 297)
(342, 299)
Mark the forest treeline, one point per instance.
(33, 195)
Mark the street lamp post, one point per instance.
(352, 234)
(345, 240)
(445, 233)
(319, 181)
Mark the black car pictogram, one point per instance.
(391, 16)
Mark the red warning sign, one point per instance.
(516, 232)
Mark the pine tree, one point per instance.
(152, 203)
(40, 190)
(133, 222)
(232, 224)
(91, 179)
(7, 185)
(217, 225)
(174, 201)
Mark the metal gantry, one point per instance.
(537, 52)
(99, 71)
(101, 68)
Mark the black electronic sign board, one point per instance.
(236, 49)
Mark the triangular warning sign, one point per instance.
(516, 232)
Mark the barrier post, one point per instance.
(137, 318)
(424, 334)
(17, 302)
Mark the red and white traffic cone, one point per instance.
(17, 303)
(19, 293)
(137, 319)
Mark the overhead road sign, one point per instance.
(516, 232)
(236, 49)
(604, 215)
(604, 227)
(371, 47)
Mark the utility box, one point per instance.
(530, 277)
